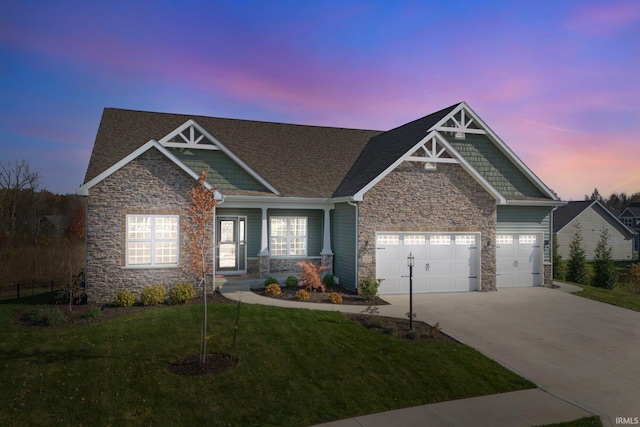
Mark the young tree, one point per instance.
(559, 268)
(605, 275)
(577, 265)
(200, 215)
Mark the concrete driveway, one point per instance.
(584, 351)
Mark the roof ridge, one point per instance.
(195, 116)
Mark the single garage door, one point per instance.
(444, 262)
(517, 260)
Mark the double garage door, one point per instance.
(444, 262)
(450, 262)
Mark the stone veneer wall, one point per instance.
(412, 199)
(548, 275)
(150, 184)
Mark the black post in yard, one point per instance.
(410, 263)
(411, 297)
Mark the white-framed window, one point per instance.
(152, 240)
(628, 222)
(415, 239)
(288, 236)
(527, 239)
(388, 239)
(465, 239)
(504, 239)
(436, 239)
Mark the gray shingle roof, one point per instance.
(565, 214)
(384, 149)
(298, 160)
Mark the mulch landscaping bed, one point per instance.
(348, 297)
(215, 363)
(399, 328)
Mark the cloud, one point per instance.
(604, 18)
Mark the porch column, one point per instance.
(265, 267)
(327, 253)
(326, 242)
(264, 239)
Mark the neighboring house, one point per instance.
(444, 188)
(54, 225)
(630, 217)
(592, 217)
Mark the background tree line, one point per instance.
(616, 202)
(24, 204)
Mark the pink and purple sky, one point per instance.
(558, 81)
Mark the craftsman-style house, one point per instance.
(444, 188)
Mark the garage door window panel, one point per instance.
(415, 240)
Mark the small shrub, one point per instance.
(435, 330)
(35, 315)
(310, 276)
(45, 316)
(93, 313)
(181, 293)
(302, 295)
(329, 280)
(390, 330)
(152, 295)
(630, 281)
(335, 298)
(125, 298)
(368, 288)
(270, 281)
(272, 290)
(412, 335)
(291, 282)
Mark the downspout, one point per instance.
(355, 205)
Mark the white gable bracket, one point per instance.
(206, 141)
(434, 137)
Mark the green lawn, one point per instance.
(297, 367)
(618, 296)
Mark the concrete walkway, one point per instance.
(523, 408)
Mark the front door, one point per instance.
(231, 254)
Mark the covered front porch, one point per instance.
(255, 242)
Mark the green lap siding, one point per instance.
(223, 172)
(495, 166)
(526, 220)
(343, 242)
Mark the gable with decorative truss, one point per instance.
(189, 135)
(430, 152)
(460, 136)
(459, 124)
(190, 138)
